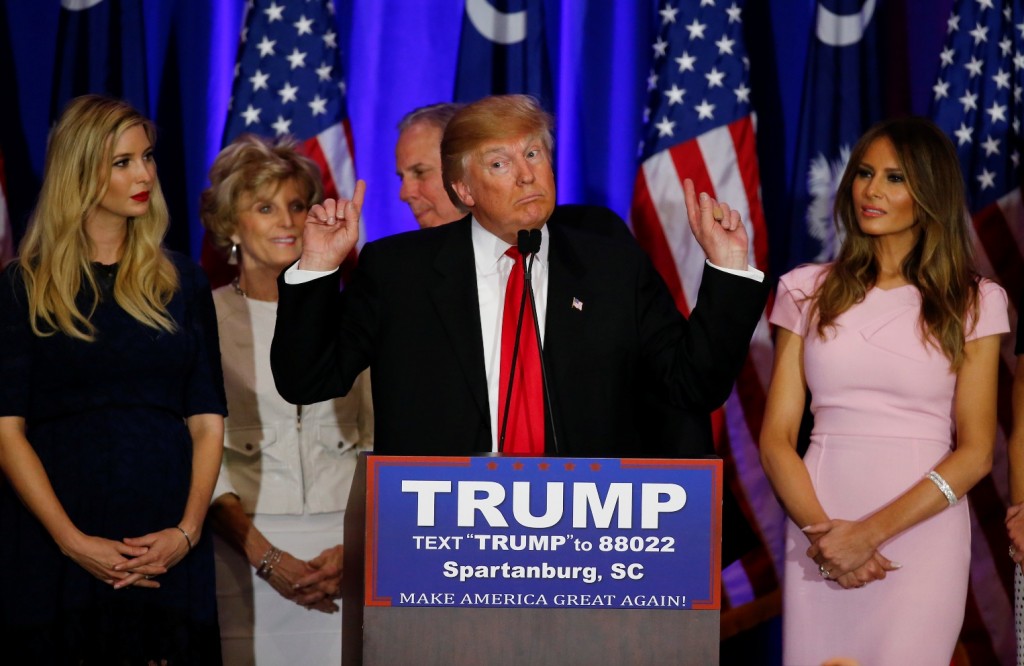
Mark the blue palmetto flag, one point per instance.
(502, 50)
(841, 99)
(100, 49)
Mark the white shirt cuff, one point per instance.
(295, 275)
(751, 272)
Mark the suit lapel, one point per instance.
(564, 323)
(567, 290)
(455, 298)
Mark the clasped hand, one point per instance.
(842, 548)
(130, 562)
(1015, 531)
(314, 584)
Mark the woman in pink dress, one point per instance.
(898, 342)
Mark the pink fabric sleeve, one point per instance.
(791, 301)
(993, 311)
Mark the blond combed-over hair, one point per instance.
(493, 118)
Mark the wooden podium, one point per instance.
(407, 601)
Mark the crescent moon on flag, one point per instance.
(843, 29)
(498, 27)
(79, 5)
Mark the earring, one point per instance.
(233, 255)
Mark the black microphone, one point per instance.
(523, 243)
(528, 243)
(531, 241)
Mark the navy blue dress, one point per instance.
(107, 419)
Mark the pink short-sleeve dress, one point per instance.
(882, 401)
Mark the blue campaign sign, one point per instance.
(543, 532)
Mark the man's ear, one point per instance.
(462, 190)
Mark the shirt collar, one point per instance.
(488, 249)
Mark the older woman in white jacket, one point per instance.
(279, 504)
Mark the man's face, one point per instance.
(418, 163)
(508, 185)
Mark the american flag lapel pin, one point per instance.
(577, 304)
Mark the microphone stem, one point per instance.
(540, 349)
(512, 368)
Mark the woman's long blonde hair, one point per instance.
(940, 264)
(54, 256)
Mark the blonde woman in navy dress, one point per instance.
(898, 342)
(111, 414)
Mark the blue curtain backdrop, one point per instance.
(399, 54)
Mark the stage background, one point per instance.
(176, 60)
(399, 54)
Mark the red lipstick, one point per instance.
(141, 196)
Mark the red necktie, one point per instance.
(524, 434)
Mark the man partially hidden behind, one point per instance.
(418, 164)
(425, 308)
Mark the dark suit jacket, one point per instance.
(412, 314)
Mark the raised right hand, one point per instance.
(331, 231)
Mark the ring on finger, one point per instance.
(825, 573)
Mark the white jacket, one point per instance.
(279, 458)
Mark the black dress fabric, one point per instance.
(107, 419)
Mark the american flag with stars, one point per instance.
(978, 102)
(289, 82)
(699, 124)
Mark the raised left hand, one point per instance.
(717, 228)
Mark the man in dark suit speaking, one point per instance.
(427, 311)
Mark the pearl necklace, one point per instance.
(238, 288)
